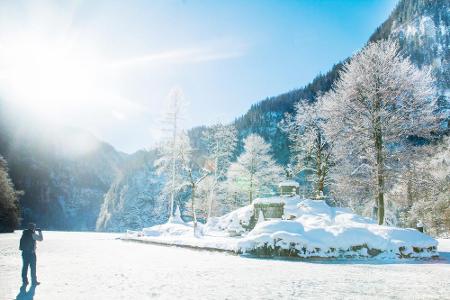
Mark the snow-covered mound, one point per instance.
(323, 231)
(310, 228)
(236, 221)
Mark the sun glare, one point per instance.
(49, 76)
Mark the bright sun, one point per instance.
(49, 76)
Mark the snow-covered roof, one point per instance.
(269, 200)
(289, 183)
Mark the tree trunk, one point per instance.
(210, 203)
(379, 170)
(193, 209)
(320, 172)
(320, 186)
(174, 140)
(409, 190)
(251, 188)
(212, 192)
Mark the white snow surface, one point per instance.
(75, 265)
(318, 231)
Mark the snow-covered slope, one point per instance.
(63, 171)
(423, 29)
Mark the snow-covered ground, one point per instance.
(99, 266)
(316, 230)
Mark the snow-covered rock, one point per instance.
(235, 221)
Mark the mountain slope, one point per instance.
(422, 28)
(63, 172)
(134, 199)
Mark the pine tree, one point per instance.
(9, 200)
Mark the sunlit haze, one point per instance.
(108, 66)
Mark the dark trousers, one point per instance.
(29, 259)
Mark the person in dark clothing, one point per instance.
(28, 248)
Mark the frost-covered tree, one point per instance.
(191, 175)
(379, 100)
(255, 172)
(221, 143)
(423, 189)
(170, 150)
(9, 200)
(311, 150)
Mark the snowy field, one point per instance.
(98, 266)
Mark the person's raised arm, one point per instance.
(38, 236)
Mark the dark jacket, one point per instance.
(28, 240)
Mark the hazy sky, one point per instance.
(108, 66)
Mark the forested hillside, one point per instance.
(134, 198)
(422, 28)
(63, 173)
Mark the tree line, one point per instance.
(9, 200)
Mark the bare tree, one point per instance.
(221, 141)
(191, 173)
(170, 149)
(379, 100)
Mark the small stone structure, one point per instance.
(273, 207)
(289, 188)
(268, 208)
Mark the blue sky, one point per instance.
(108, 66)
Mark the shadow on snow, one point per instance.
(26, 295)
